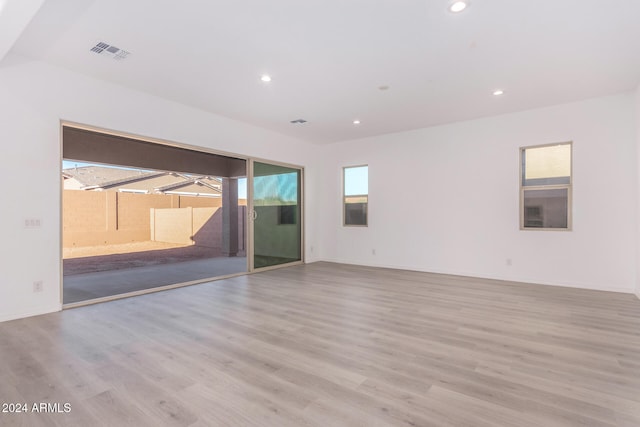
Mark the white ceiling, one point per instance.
(14, 17)
(327, 58)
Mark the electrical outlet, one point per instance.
(37, 286)
(311, 249)
(509, 262)
(373, 251)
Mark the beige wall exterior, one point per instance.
(193, 226)
(172, 225)
(93, 218)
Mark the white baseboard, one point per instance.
(5, 317)
(484, 276)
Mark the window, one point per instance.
(356, 195)
(287, 214)
(545, 187)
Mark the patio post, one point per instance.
(229, 217)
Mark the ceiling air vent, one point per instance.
(110, 51)
(298, 121)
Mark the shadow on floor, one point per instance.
(120, 261)
(97, 284)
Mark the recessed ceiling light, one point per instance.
(265, 78)
(498, 92)
(356, 122)
(298, 121)
(458, 6)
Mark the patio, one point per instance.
(100, 271)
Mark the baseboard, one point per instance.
(484, 276)
(5, 317)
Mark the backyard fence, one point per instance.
(95, 218)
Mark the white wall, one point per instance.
(34, 98)
(638, 166)
(442, 199)
(445, 199)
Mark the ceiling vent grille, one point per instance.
(110, 51)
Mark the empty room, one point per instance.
(320, 213)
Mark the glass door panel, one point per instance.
(277, 215)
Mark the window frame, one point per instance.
(568, 186)
(344, 196)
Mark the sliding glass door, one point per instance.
(139, 215)
(277, 215)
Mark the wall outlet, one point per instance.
(509, 262)
(311, 249)
(373, 251)
(38, 286)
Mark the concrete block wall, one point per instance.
(193, 226)
(95, 218)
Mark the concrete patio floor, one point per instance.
(87, 286)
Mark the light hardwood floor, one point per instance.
(333, 345)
